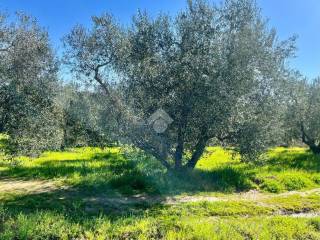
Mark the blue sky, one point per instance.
(287, 16)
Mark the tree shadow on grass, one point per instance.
(3, 142)
(61, 168)
(77, 204)
(46, 171)
(114, 186)
(128, 193)
(82, 203)
(225, 179)
(289, 159)
(112, 172)
(85, 201)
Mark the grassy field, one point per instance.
(120, 193)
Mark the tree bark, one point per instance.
(181, 133)
(311, 143)
(199, 149)
(315, 149)
(179, 152)
(124, 115)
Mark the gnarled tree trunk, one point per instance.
(311, 143)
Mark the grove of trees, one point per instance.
(219, 71)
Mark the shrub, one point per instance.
(315, 223)
(272, 185)
(316, 179)
(295, 182)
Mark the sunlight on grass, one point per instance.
(283, 169)
(215, 157)
(93, 174)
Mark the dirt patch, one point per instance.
(303, 193)
(143, 199)
(93, 203)
(303, 215)
(26, 186)
(252, 195)
(119, 202)
(190, 199)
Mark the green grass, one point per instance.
(90, 206)
(127, 171)
(282, 169)
(166, 224)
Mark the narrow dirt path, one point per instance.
(42, 186)
(19, 186)
(302, 215)
(252, 195)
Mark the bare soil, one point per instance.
(20, 186)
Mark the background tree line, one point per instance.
(219, 71)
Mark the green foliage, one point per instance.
(287, 169)
(3, 144)
(303, 111)
(296, 181)
(295, 203)
(281, 170)
(207, 67)
(129, 171)
(316, 223)
(28, 85)
(272, 185)
(93, 205)
(56, 226)
(288, 181)
(86, 118)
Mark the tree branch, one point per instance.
(309, 141)
(161, 154)
(4, 49)
(181, 135)
(199, 148)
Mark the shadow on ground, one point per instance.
(112, 172)
(116, 186)
(291, 159)
(110, 184)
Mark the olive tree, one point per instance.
(303, 111)
(85, 117)
(214, 70)
(28, 83)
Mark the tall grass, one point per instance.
(96, 182)
(128, 171)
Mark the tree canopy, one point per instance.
(303, 111)
(28, 83)
(170, 85)
(216, 71)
